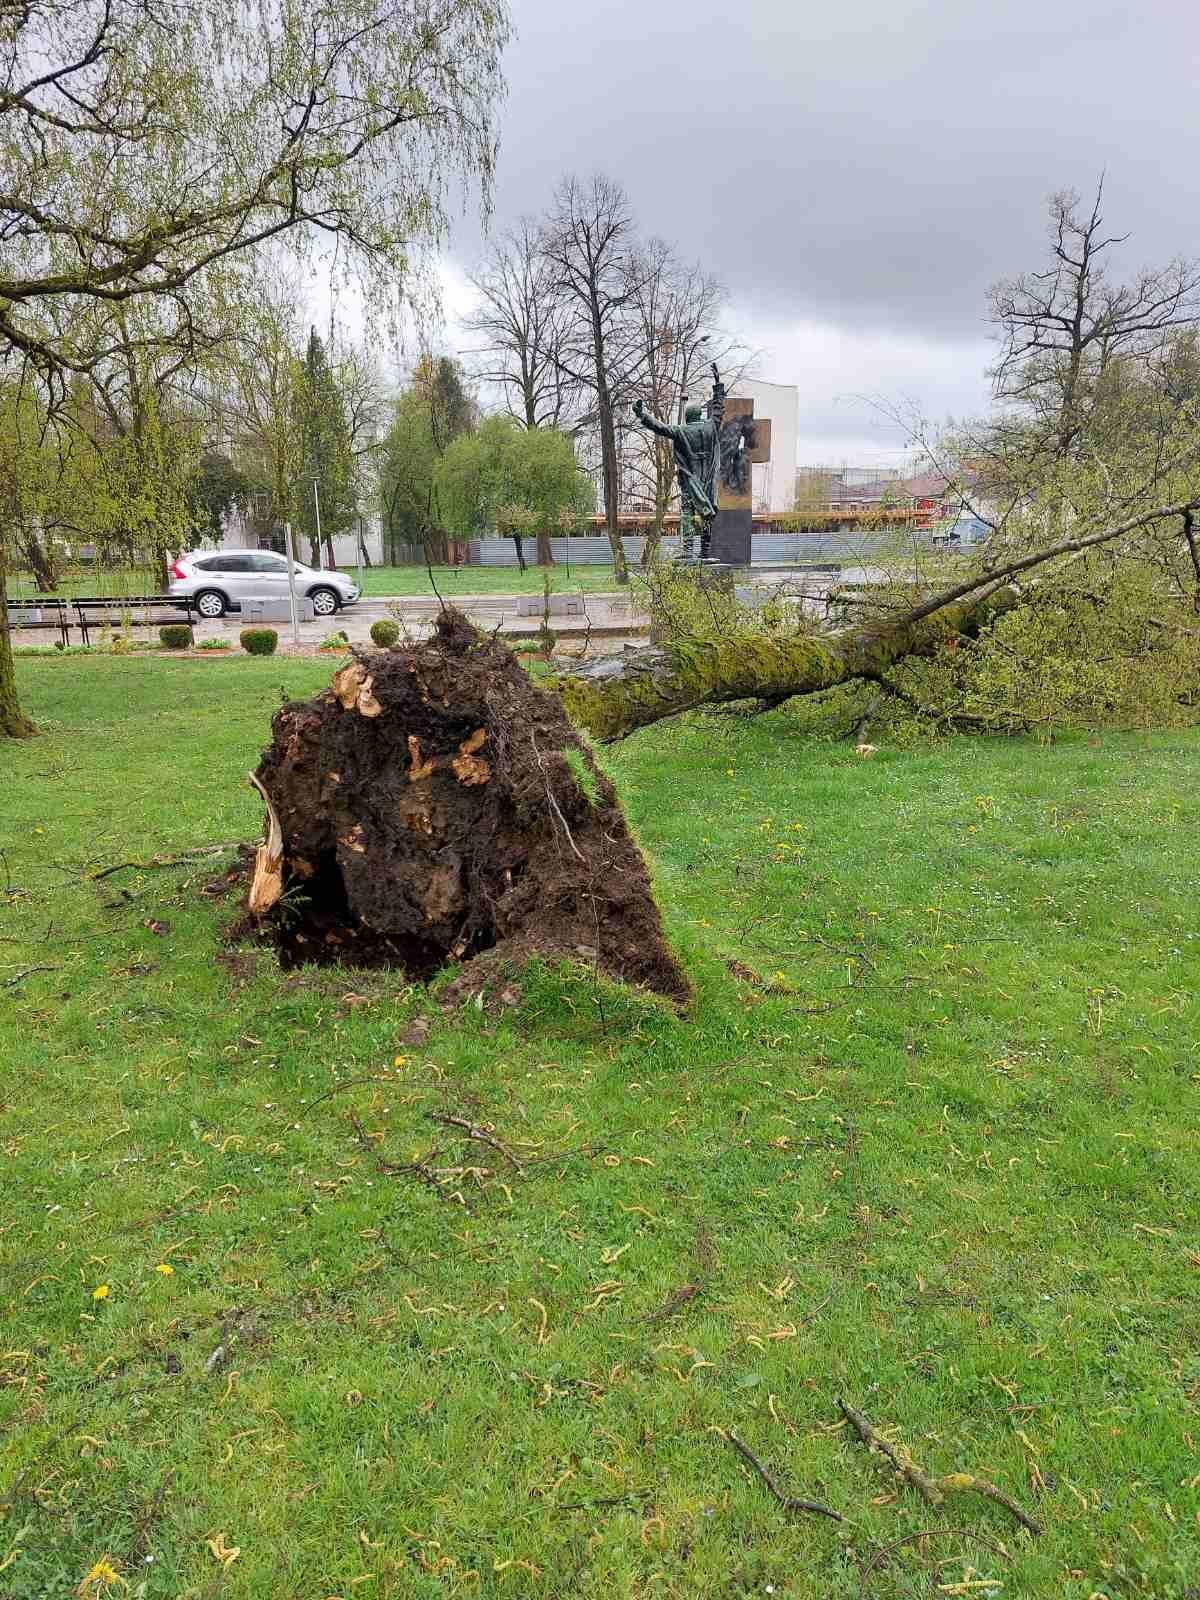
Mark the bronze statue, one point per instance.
(697, 447)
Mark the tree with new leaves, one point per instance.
(150, 158)
(512, 479)
(433, 410)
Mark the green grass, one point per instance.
(940, 1161)
(485, 580)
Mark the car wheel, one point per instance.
(211, 603)
(324, 601)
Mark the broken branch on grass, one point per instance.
(480, 1135)
(934, 1490)
(26, 972)
(200, 854)
(787, 1501)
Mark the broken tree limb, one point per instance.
(934, 1490)
(614, 695)
(787, 1501)
(267, 885)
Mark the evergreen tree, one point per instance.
(326, 456)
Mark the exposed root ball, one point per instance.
(434, 804)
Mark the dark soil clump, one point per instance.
(434, 804)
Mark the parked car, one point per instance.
(219, 580)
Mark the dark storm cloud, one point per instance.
(868, 163)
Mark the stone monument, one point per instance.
(745, 441)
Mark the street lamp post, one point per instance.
(687, 361)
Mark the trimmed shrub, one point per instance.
(259, 641)
(385, 633)
(176, 636)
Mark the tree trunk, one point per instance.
(40, 564)
(519, 542)
(545, 555)
(13, 722)
(610, 467)
(331, 559)
(614, 695)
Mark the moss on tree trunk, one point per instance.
(615, 695)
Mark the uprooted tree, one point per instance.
(1082, 605)
(433, 805)
(767, 663)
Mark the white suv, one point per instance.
(219, 580)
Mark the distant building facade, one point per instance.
(774, 480)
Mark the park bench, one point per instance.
(47, 612)
(558, 605)
(153, 608)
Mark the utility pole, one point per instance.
(291, 560)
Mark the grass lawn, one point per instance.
(941, 1161)
(485, 580)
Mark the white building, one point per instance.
(775, 480)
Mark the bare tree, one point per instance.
(590, 242)
(521, 321)
(1063, 327)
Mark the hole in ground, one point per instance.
(313, 925)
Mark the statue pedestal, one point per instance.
(729, 540)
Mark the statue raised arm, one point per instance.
(696, 444)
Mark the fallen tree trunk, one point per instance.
(614, 695)
(435, 806)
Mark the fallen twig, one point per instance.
(26, 972)
(787, 1501)
(886, 1550)
(675, 1302)
(200, 854)
(934, 1490)
(480, 1135)
(221, 1353)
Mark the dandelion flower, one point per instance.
(165, 1269)
(100, 1292)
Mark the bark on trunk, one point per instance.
(614, 695)
(40, 565)
(13, 722)
(545, 555)
(436, 806)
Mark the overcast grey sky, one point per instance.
(857, 172)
